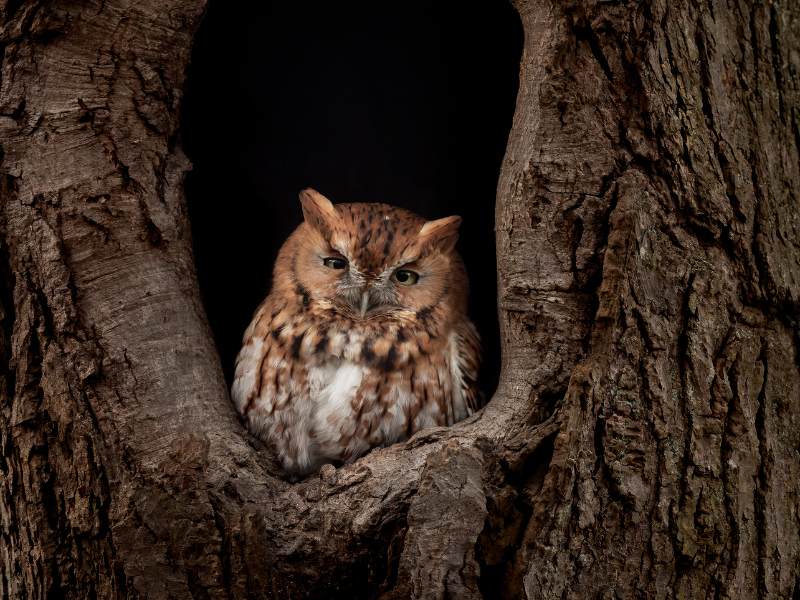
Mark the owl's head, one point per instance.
(372, 261)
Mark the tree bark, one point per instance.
(645, 437)
(647, 215)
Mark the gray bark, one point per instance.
(644, 438)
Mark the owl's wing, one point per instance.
(271, 391)
(264, 380)
(469, 356)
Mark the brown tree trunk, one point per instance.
(645, 438)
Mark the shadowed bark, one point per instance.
(644, 438)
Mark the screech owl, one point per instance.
(364, 338)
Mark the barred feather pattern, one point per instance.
(339, 361)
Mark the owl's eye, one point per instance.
(334, 263)
(405, 277)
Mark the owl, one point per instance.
(364, 338)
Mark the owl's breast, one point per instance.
(333, 385)
(387, 347)
(346, 411)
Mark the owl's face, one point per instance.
(373, 261)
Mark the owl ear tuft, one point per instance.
(318, 211)
(442, 233)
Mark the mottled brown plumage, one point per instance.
(364, 338)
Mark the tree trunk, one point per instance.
(645, 438)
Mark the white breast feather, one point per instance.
(332, 388)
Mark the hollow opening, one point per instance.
(404, 103)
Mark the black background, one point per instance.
(408, 103)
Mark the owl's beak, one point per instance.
(365, 302)
(364, 299)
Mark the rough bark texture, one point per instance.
(648, 216)
(644, 438)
